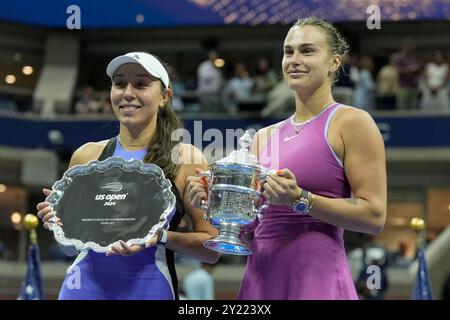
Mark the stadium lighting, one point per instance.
(27, 70)
(219, 63)
(10, 79)
(16, 218)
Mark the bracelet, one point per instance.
(311, 202)
(163, 239)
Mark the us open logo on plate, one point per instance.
(113, 187)
(111, 198)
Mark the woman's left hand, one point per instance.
(281, 188)
(122, 248)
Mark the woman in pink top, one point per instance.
(331, 176)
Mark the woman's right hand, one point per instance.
(45, 212)
(197, 189)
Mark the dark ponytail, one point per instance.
(160, 148)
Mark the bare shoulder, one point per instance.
(190, 158)
(87, 152)
(350, 119)
(349, 113)
(191, 155)
(358, 129)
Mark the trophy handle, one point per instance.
(258, 211)
(265, 173)
(204, 206)
(207, 175)
(262, 178)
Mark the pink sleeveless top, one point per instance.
(298, 256)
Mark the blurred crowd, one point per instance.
(403, 83)
(405, 80)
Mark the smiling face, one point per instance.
(307, 61)
(136, 96)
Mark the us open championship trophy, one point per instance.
(234, 191)
(106, 201)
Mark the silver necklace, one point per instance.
(304, 124)
(297, 131)
(301, 125)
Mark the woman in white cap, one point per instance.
(141, 98)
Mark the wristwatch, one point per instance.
(304, 203)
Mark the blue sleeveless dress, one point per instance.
(149, 274)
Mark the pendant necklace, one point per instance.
(300, 126)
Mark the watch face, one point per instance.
(301, 206)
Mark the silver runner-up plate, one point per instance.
(106, 201)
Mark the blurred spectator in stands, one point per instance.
(7, 103)
(209, 84)
(181, 294)
(265, 77)
(178, 90)
(280, 100)
(362, 290)
(445, 295)
(87, 103)
(408, 68)
(56, 143)
(364, 94)
(2, 249)
(374, 256)
(434, 84)
(448, 90)
(387, 85)
(199, 284)
(105, 103)
(239, 89)
(344, 86)
(402, 259)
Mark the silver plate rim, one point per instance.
(61, 185)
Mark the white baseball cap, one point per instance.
(146, 60)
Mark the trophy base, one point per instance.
(234, 248)
(228, 241)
